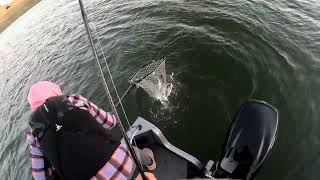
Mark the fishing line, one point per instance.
(132, 151)
(109, 72)
(115, 89)
(111, 79)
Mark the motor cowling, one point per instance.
(250, 138)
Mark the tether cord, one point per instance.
(133, 154)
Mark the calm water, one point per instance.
(221, 53)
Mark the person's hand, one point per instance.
(149, 176)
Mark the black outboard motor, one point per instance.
(250, 139)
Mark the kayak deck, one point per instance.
(172, 162)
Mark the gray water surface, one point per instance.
(221, 53)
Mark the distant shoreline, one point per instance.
(11, 12)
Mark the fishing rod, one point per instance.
(131, 150)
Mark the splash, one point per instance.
(164, 108)
(164, 91)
